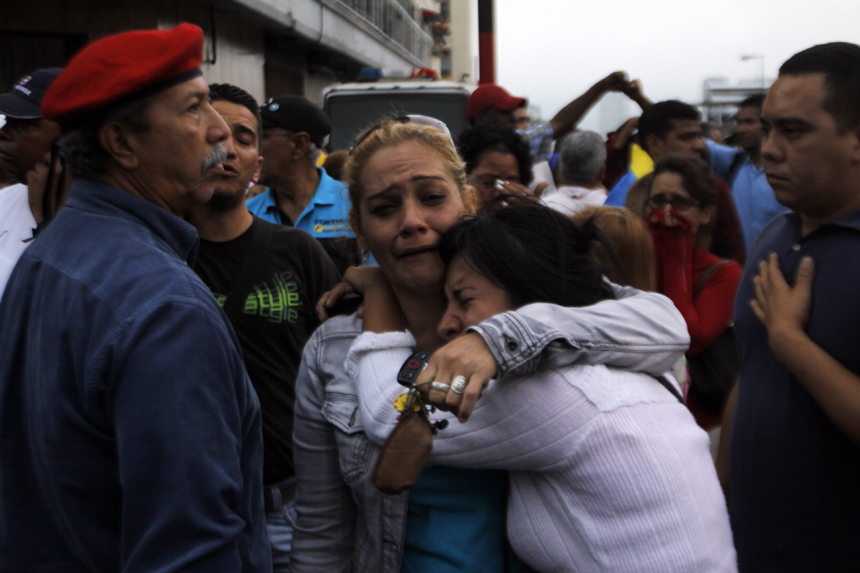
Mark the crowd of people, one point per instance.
(221, 342)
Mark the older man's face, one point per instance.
(180, 155)
(276, 147)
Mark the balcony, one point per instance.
(392, 20)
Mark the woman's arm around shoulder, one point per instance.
(522, 424)
(638, 331)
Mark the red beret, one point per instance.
(121, 66)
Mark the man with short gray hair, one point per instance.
(581, 167)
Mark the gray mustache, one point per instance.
(218, 155)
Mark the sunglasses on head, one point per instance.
(413, 118)
(369, 132)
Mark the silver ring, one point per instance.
(458, 384)
(439, 387)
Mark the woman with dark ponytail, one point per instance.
(608, 469)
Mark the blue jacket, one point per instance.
(130, 435)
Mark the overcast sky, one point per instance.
(553, 50)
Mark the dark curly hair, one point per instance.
(476, 142)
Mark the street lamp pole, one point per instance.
(760, 58)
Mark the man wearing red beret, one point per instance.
(131, 435)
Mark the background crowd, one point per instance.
(646, 369)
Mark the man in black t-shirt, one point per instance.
(268, 278)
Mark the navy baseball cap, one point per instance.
(296, 114)
(25, 98)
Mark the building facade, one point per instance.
(268, 47)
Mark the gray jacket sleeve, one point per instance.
(639, 331)
(324, 535)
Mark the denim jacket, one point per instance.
(344, 523)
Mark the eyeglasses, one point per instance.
(678, 202)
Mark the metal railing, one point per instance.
(392, 20)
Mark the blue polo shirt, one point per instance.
(795, 477)
(326, 218)
(753, 195)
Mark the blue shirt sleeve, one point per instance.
(618, 194)
(720, 158)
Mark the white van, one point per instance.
(355, 107)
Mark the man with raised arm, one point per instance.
(491, 103)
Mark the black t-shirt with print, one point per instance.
(276, 322)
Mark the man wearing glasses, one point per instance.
(301, 194)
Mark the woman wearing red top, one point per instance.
(681, 213)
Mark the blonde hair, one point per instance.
(393, 132)
(629, 236)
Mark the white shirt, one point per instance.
(609, 472)
(570, 200)
(16, 226)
